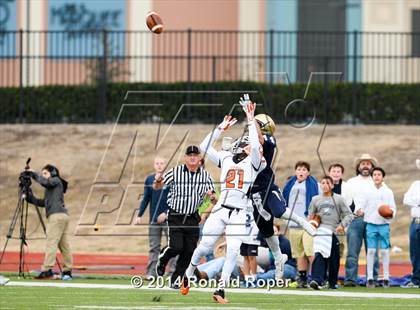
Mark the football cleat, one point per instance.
(185, 285)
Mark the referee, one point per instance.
(188, 184)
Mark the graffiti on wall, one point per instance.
(80, 24)
(77, 17)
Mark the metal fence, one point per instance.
(36, 58)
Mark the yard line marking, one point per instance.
(233, 290)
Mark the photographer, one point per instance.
(57, 229)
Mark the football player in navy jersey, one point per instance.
(267, 198)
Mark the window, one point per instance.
(415, 29)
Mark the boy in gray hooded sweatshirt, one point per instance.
(335, 216)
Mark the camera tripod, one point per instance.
(21, 215)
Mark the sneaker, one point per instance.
(370, 284)
(301, 283)
(386, 284)
(45, 275)
(3, 280)
(333, 287)
(219, 297)
(307, 227)
(314, 285)
(410, 285)
(160, 268)
(349, 283)
(280, 266)
(185, 285)
(66, 275)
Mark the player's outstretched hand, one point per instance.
(228, 122)
(248, 106)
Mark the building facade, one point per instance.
(80, 41)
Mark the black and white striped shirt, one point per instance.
(187, 189)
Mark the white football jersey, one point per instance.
(236, 179)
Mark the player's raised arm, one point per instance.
(206, 146)
(249, 109)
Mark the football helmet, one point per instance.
(238, 146)
(266, 123)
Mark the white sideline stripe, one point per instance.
(233, 290)
(157, 307)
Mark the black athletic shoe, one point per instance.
(314, 285)
(370, 284)
(301, 283)
(386, 284)
(45, 275)
(219, 297)
(66, 275)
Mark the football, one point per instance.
(385, 211)
(315, 220)
(154, 22)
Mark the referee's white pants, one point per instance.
(233, 223)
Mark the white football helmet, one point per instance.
(238, 146)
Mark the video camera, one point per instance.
(25, 181)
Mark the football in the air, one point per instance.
(154, 22)
(315, 220)
(385, 211)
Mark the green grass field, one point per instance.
(30, 297)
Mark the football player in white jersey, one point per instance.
(240, 167)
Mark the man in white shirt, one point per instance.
(377, 227)
(412, 200)
(357, 191)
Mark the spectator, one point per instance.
(336, 171)
(412, 200)
(357, 192)
(298, 193)
(156, 198)
(377, 228)
(335, 216)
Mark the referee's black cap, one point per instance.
(192, 149)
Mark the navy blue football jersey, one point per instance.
(265, 178)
